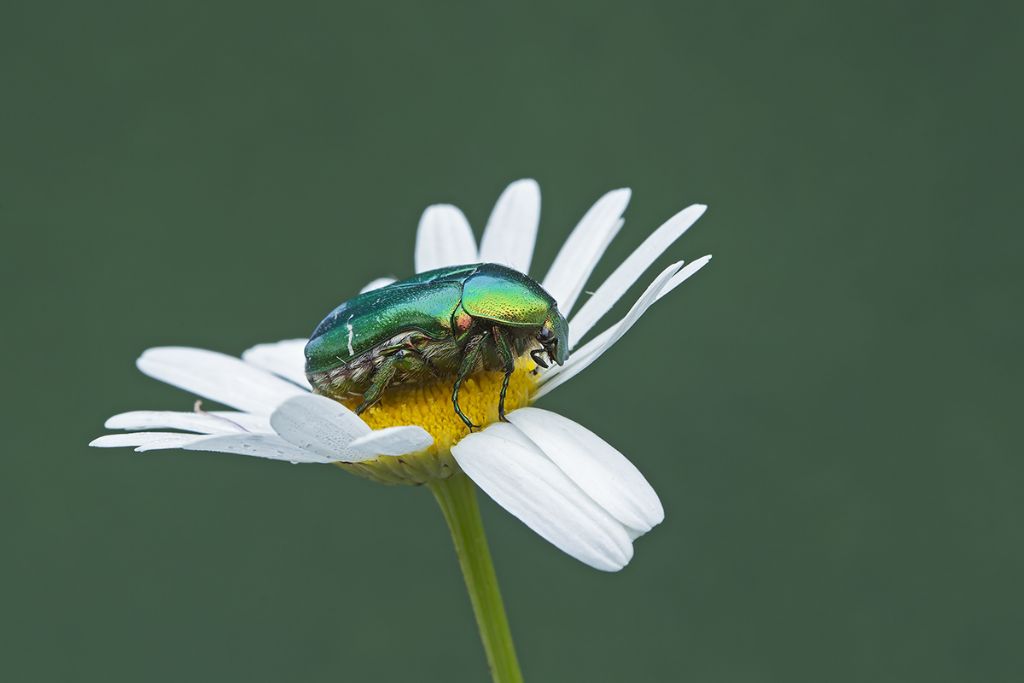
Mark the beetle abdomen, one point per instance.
(420, 357)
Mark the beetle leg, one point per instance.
(418, 351)
(381, 378)
(470, 357)
(508, 361)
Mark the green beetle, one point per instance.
(444, 323)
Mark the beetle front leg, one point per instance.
(470, 357)
(508, 361)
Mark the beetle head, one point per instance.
(553, 338)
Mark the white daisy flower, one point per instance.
(555, 475)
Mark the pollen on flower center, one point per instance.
(429, 405)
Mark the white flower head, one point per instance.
(559, 478)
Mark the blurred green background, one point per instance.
(830, 412)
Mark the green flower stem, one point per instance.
(457, 498)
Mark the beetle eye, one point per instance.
(544, 335)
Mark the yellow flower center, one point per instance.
(429, 405)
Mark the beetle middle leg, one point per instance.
(398, 364)
(418, 346)
(381, 379)
(508, 362)
(470, 357)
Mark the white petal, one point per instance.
(218, 377)
(321, 425)
(268, 446)
(512, 228)
(444, 238)
(509, 432)
(616, 331)
(143, 439)
(377, 284)
(630, 271)
(531, 487)
(684, 275)
(602, 472)
(589, 352)
(257, 424)
(203, 423)
(285, 358)
(391, 441)
(259, 445)
(579, 255)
